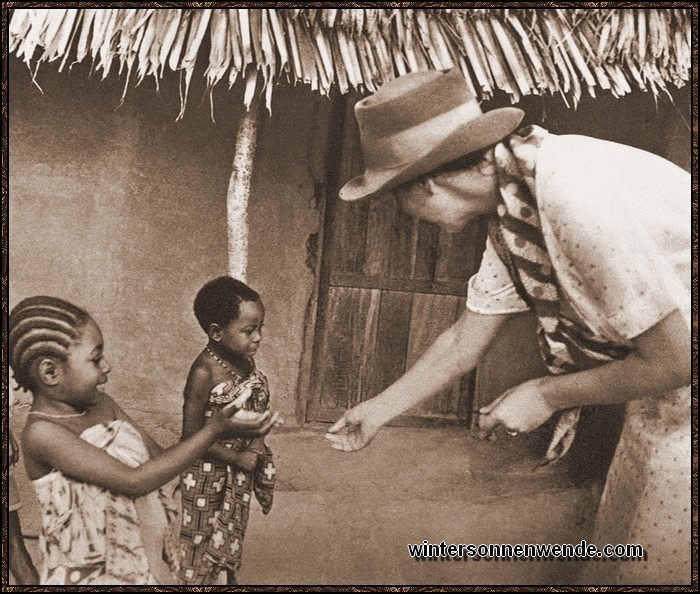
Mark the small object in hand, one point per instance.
(246, 391)
(248, 415)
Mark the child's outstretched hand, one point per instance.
(232, 422)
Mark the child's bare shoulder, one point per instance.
(201, 374)
(201, 365)
(38, 437)
(31, 431)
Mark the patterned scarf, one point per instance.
(224, 519)
(263, 478)
(566, 344)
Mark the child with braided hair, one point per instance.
(97, 474)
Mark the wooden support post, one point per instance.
(239, 192)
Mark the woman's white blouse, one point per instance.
(616, 221)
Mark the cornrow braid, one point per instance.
(41, 326)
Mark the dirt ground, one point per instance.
(346, 519)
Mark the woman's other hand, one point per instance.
(518, 410)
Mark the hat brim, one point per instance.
(487, 130)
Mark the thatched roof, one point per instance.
(564, 51)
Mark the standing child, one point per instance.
(216, 490)
(96, 473)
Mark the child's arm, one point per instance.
(13, 454)
(21, 564)
(257, 445)
(196, 396)
(47, 446)
(245, 460)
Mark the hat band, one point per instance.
(414, 143)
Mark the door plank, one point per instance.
(389, 357)
(450, 287)
(390, 240)
(347, 241)
(464, 257)
(460, 253)
(343, 355)
(427, 251)
(430, 316)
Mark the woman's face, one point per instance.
(451, 199)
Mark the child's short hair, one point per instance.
(218, 301)
(41, 326)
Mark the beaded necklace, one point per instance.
(53, 416)
(220, 362)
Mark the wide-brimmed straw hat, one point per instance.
(417, 122)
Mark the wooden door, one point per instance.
(388, 286)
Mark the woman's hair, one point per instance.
(41, 326)
(218, 301)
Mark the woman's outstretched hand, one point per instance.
(355, 429)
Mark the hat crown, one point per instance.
(410, 100)
(417, 122)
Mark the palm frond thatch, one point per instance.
(519, 51)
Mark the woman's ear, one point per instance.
(428, 184)
(215, 332)
(49, 371)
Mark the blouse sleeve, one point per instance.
(490, 290)
(618, 232)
